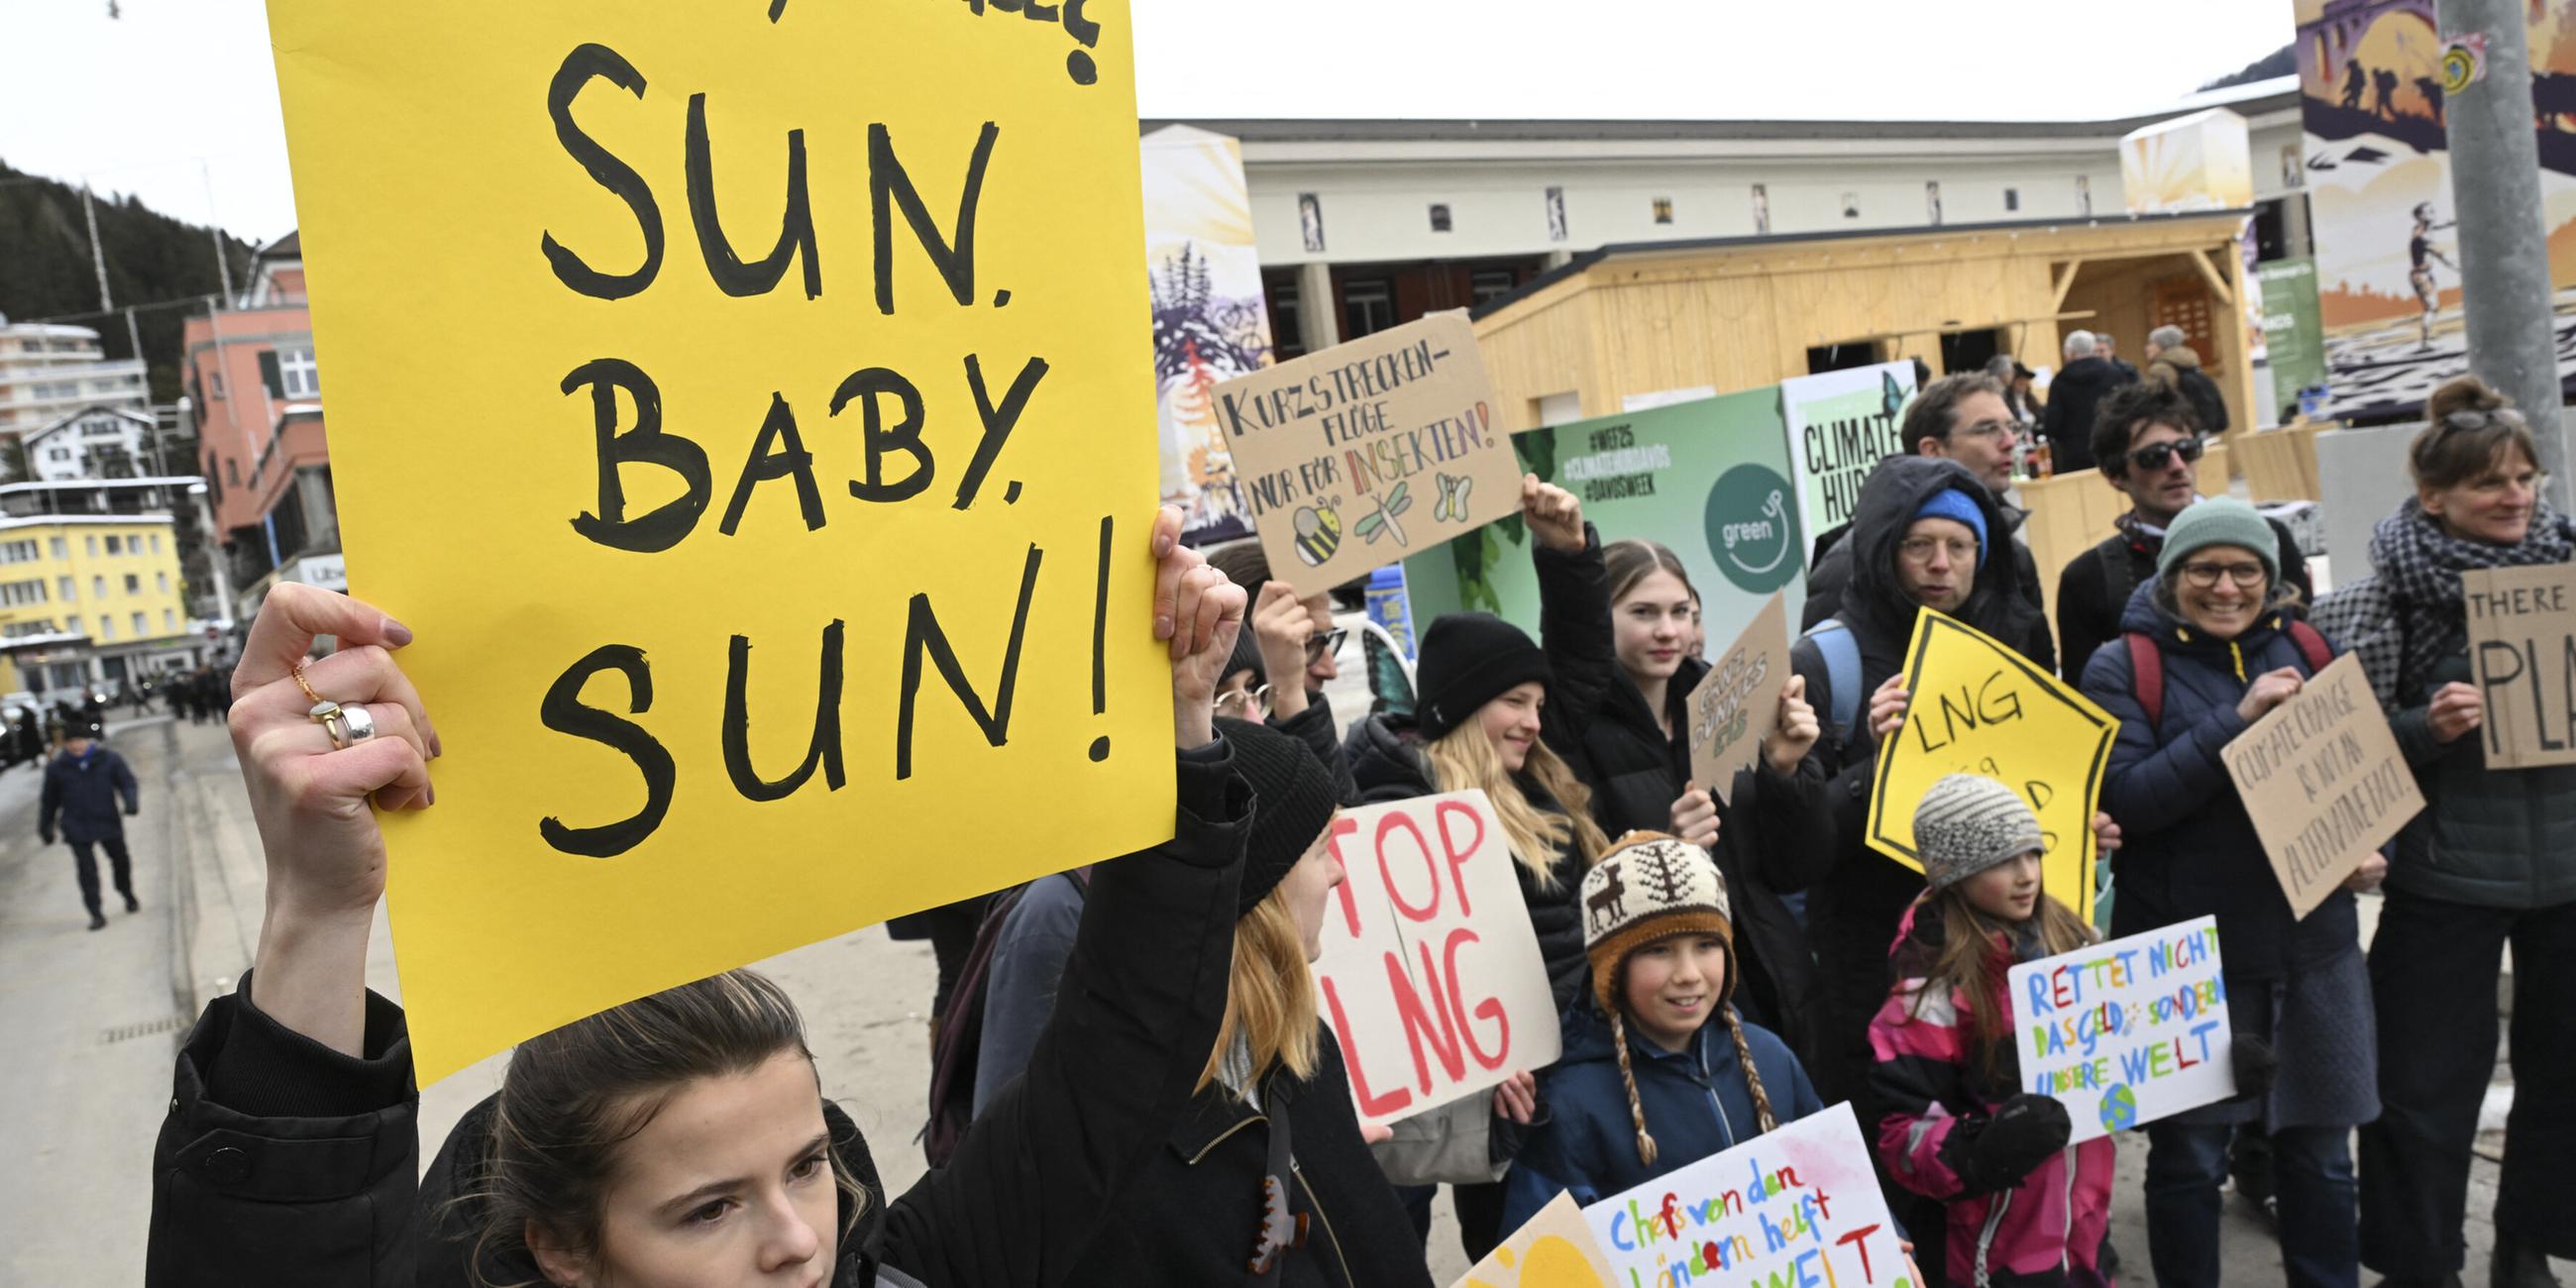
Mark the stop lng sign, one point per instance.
(1430, 973)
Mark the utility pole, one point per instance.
(224, 263)
(2504, 248)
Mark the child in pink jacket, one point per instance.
(2023, 1208)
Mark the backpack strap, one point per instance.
(1841, 651)
(2311, 644)
(2147, 675)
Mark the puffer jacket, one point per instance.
(2188, 848)
(2179, 368)
(1194, 1213)
(1853, 914)
(1696, 1100)
(1935, 1096)
(1387, 760)
(1774, 837)
(2490, 839)
(283, 1163)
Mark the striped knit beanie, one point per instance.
(1968, 823)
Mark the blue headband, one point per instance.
(1951, 503)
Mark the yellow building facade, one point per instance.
(90, 599)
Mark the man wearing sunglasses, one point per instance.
(2147, 439)
(1298, 647)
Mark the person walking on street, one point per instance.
(2490, 862)
(82, 788)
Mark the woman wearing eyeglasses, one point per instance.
(2209, 646)
(2146, 438)
(2490, 861)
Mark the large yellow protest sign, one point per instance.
(749, 405)
(1978, 707)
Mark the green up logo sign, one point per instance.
(1753, 529)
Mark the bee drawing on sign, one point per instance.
(1319, 534)
(1453, 498)
(1381, 521)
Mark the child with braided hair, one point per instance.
(1675, 1075)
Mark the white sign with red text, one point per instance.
(1430, 974)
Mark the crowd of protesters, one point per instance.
(1133, 1084)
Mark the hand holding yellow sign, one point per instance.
(1979, 707)
(751, 408)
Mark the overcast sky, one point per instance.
(176, 101)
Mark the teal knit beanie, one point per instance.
(2221, 521)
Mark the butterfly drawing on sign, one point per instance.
(1453, 498)
(1319, 534)
(1381, 521)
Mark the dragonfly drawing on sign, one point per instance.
(1381, 521)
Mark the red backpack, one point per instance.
(2147, 664)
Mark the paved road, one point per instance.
(92, 1024)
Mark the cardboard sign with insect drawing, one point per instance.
(1358, 456)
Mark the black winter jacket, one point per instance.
(283, 1163)
(1774, 837)
(1853, 915)
(2072, 398)
(1193, 1215)
(82, 792)
(2187, 846)
(2094, 590)
(1388, 763)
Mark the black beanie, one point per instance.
(1468, 660)
(1292, 802)
(1247, 657)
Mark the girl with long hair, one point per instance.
(2021, 1207)
(681, 1138)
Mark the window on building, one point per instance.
(74, 622)
(59, 454)
(232, 471)
(1851, 205)
(98, 587)
(1663, 210)
(62, 548)
(90, 544)
(2012, 198)
(20, 552)
(1368, 307)
(1439, 217)
(142, 626)
(297, 375)
(115, 544)
(164, 579)
(1487, 285)
(156, 543)
(16, 593)
(133, 584)
(106, 627)
(1287, 324)
(169, 622)
(67, 588)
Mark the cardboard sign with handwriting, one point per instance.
(1736, 705)
(1979, 707)
(797, 488)
(1370, 451)
(2324, 781)
(1553, 1249)
(2522, 644)
(1430, 974)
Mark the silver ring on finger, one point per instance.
(360, 725)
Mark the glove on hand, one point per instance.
(2021, 1135)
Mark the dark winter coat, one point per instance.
(1696, 1100)
(1388, 762)
(1833, 572)
(1774, 837)
(83, 792)
(1935, 1095)
(2179, 368)
(1853, 914)
(2072, 399)
(1193, 1215)
(2188, 849)
(282, 1163)
(2094, 589)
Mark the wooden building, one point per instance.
(1739, 313)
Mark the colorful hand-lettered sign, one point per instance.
(1737, 704)
(1553, 1249)
(2126, 1032)
(2324, 782)
(1370, 451)
(1430, 974)
(2522, 644)
(1978, 707)
(1796, 1207)
(749, 407)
